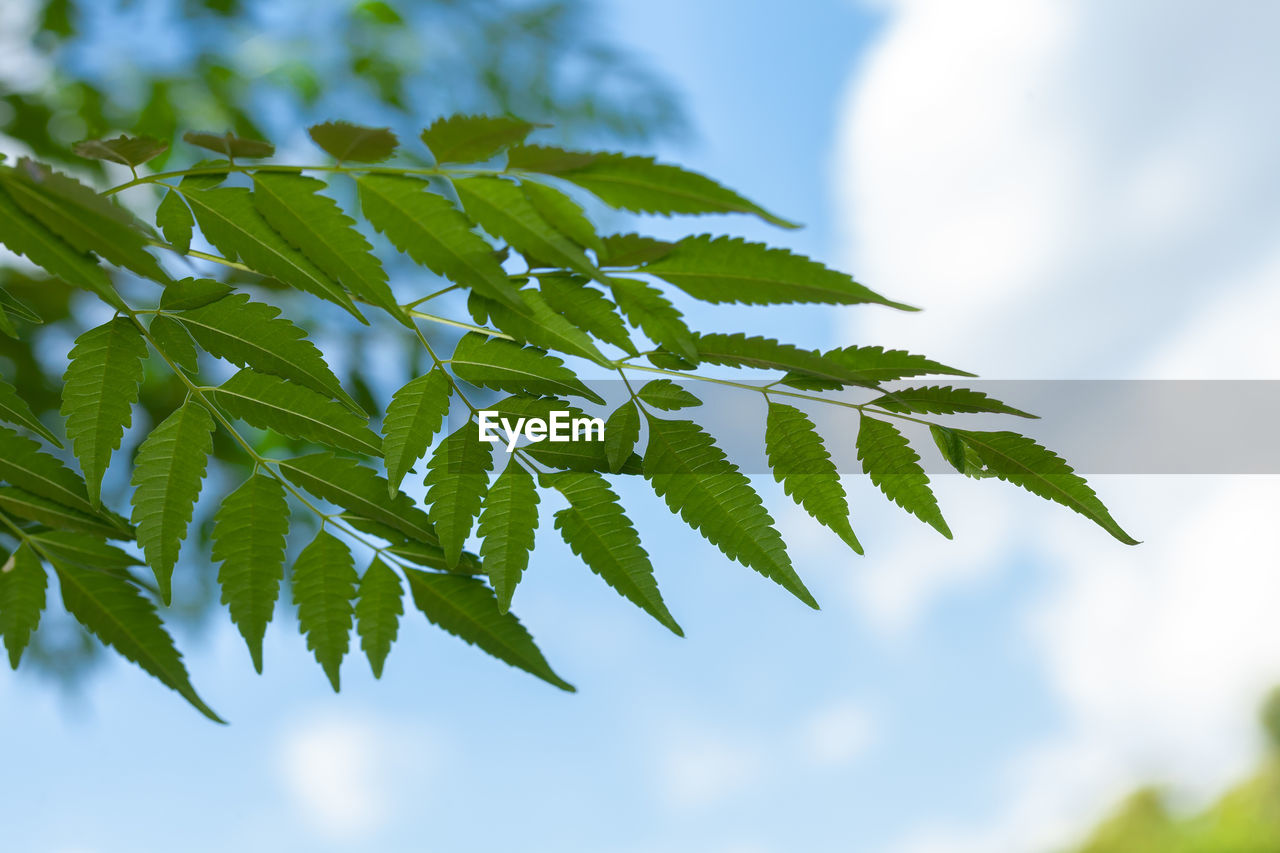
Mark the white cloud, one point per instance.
(1078, 190)
(837, 735)
(347, 774)
(703, 770)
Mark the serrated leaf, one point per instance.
(22, 587)
(175, 221)
(632, 250)
(944, 400)
(99, 388)
(125, 150)
(855, 365)
(84, 219)
(378, 612)
(167, 475)
(191, 293)
(501, 208)
(83, 549)
(508, 519)
(667, 395)
(25, 465)
(506, 366)
(254, 335)
(697, 481)
(231, 222)
(24, 235)
(117, 614)
(621, 431)
(269, 402)
(171, 338)
(643, 185)
(249, 540)
(597, 530)
(729, 269)
(653, 313)
(473, 139)
(433, 232)
(588, 309)
(414, 416)
(34, 507)
(359, 490)
(315, 225)
(230, 145)
(14, 410)
(468, 609)
(1021, 461)
(535, 322)
(800, 462)
(563, 214)
(324, 584)
(457, 478)
(352, 143)
(894, 467)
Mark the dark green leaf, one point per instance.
(416, 412)
(473, 139)
(358, 489)
(378, 613)
(248, 540)
(506, 366)
(588, 309)
(457, 478)
(893, 466)
(563, 214)
(944, 400)
(501, 209)
(230, 145)
(667, 395)
(647, 308)
(14, 410)
(535, 322)
(171, 338)
(621, 431)
(324, 584)
(125, 150)
(508, 519)
(22, 586)
(800, 462)
(632, 250)
(191, 293)
(269, 402)
(353, 143)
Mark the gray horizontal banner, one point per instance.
(1181, 427)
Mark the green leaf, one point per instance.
(269, 402)
(563, 214)
(1021, 461)
(25, 465)
(24, 235)
(11, 305)
(125, 150)
(547, 159)
(415, 415)
(468, 609)
(324, 584)
(653, 313)
(99, 388)
(315, 225)
(800, 462)
(961, 456)
(230, 145)
(597, 530)
(77, 214)
(175, 220)
(14, 410)
(536, 322)
(171, 338)
(254, 335)
(697, 481)
(433, 232)
(83, 549)
(359, 490)
(473, 139)
(621, 431)
(457, 477)
(232, 223)
(118, 615)
(588, 309)
(249, 540)
(191, 293)
(859, 365)
(667, 395)
(643, 185)
(632, 250)
(506, 366)
(352, 143)
(729, 269)
(944, 400)
(508, 519)
(895, 468)
(168, 472)
(31, 506)
(22, 586)
(501, 208)
(378, 613)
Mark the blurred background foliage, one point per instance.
(84, 69)
(1246, 819)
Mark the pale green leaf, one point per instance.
(188, 293)
(536, 322)
(175, 221)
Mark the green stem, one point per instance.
(297, 170)
(458, 324)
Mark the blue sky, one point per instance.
(987, 694)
